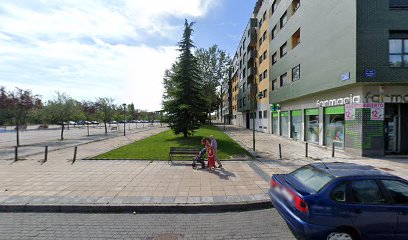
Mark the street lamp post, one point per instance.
(124, 119)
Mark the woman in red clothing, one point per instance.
(210, 154)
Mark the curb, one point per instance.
(198, 208)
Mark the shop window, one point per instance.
(334, 126)
(296, 38)
(295, 5)
(284, 79)
(284, 124)
(398, 4)
(312, 125)
(283, 49)
(398, 49)
(284, 19)
(296, 125)
(296, 73)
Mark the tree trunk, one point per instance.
(18, 134)
(62, 131)
(106, 128)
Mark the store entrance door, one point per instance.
(396, 128)
(247, 120)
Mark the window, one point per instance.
(366, 191)
(260, 41)
(283, 79)
(398, 4)
(264, 95)
(273, 32)
(398, 190)
(295, 5)
(264, 55)
(274, 58)
(339, 193)
(260, 114)
(265, 113)
(296, 73)
(284, 49)
(398, 49)
(260, 23)
(296, 38)
(312, 177)
(264, 16)
(260, 59)
(260, 77)
(274, 86)
(283, 19)
(265, 73)
(264, 36)
(274, 6)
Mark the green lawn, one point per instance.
(157, 147)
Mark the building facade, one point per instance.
(337, 73)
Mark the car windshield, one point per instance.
(312, 177)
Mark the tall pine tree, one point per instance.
(183, 100)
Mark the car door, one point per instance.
(371, 213)
(399, 193)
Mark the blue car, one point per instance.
(342, 201)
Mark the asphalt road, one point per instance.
(261, 224)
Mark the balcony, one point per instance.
(253, 37)
(251, 56)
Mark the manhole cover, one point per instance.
(167, 236)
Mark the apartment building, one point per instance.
(262, 114)
(339, 73)
(331, 73)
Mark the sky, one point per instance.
(108, 48)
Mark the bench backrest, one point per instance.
(184, 150)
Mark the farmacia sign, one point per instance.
(339, 101)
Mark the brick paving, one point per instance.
(261, 224)
(293, 153)
(117, 182)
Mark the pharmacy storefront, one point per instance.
(370, 120)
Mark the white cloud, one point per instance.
(92, 48)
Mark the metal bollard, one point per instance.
(15, 154)
(46, 154)
(280, 151)
(333, 147)
(75, 155)
(307, 149)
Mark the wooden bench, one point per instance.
(114, 129)
(21, 127)
(182, 152)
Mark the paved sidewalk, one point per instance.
(293, 153)
(112, 183)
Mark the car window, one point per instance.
(398, 190)
(366, 191)
(339, 193)
(312, 177)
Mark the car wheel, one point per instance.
(341, 235)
